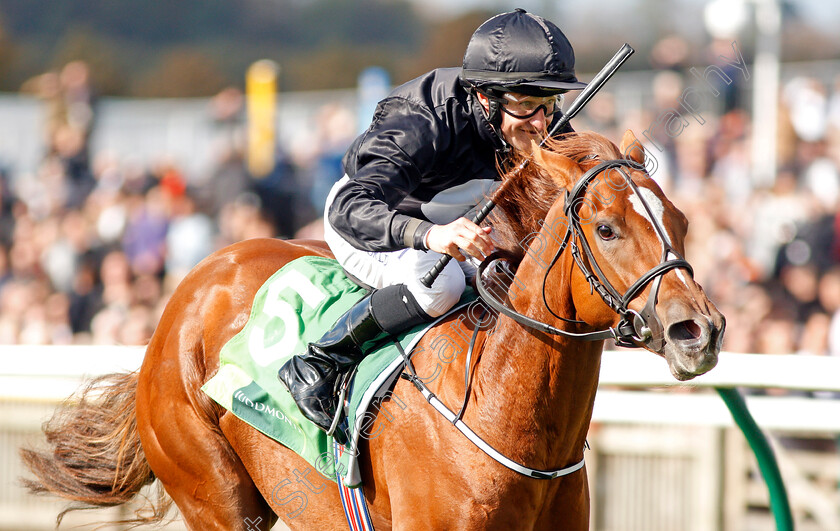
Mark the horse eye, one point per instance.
(605, 232)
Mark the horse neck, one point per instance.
(534, 384)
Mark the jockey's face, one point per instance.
(524, 118)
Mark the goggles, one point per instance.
(524, 107)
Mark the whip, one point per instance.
(583, 98)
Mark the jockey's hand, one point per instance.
(459, 237)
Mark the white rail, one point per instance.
(791, 371)
(52, 373)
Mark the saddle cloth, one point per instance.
(294, 307)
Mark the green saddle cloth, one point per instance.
(294, 307)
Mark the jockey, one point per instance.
(413, 177)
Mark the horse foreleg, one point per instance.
(568, 500)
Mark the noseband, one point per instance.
(634, 328)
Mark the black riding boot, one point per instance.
(311, 377)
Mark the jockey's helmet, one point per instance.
(519, 52)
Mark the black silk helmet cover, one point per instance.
(520, 52)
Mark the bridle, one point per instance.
(634, 328)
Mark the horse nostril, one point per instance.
(684, 331)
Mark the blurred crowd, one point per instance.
(91, 246)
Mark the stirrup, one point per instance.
(342, 385)
(339, 412)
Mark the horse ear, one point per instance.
(563, 170)
(631, 148)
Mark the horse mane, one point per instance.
(532, 191)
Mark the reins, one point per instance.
(632, 329)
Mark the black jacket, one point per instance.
(429, 156)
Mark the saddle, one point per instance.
(296, 306)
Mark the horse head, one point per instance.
(619, 254)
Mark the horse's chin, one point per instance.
(687, 365)
(683, 376)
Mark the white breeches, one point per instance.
(406, 266)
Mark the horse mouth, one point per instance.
(692, 340)
(692, 347)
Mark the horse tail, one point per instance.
(94, 455)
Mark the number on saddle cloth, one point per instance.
(296, 306)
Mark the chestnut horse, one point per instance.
(530, 397)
